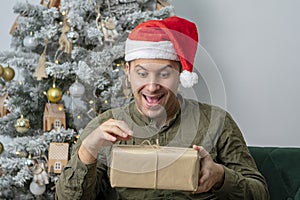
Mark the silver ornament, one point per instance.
(31, 162)
(72, 36)
(76, 90)
(37, 189)
(30, 42)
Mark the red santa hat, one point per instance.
(173, 38)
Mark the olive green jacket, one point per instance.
(195, 123)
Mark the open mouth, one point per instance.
(153, 100)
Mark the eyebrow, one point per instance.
(167, 66)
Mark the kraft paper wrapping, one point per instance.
(154, 167)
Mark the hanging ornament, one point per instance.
(50, 3)
(40, 175)
(14, 26)
(3, 109)
(107, 26)
(8, 73)
(1, 148)
(30, 162)
(162, 3)
(54, 94)
(72, 36)
(30, 42)
(40, 70)
(58, 156)
(64, 44)
(1, 70)
(109, 29)
(22, 125)
(37, 189)
(54, 117)
(76, 89)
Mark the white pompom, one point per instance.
(188, 79)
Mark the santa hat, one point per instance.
(172, 38)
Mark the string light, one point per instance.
(60, 108)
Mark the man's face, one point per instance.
(154, 84)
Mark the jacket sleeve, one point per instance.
(80, 181)
(242, 178)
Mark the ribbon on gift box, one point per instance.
(154, 146)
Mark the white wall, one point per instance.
(7, 18)
(255, 45)
(248, 58)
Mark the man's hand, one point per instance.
(106, 134)
(211, 174)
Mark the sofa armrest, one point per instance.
(281, 169)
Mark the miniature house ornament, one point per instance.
(54, 116)
(58, 156)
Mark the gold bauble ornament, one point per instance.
(8, 73)
(1, 148)
(22, 125)
(54, 94)
(1, 70)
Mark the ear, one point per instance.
(127, 69)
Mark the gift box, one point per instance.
(154, 167)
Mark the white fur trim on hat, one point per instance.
(188, 79)
(135, 49)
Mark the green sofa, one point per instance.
(281, 168)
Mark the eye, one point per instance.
(164, 74)
(142, 74)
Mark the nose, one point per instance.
(152, 83)
(152, 87)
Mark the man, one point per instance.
(160, 56)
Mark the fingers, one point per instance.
(204, 174)
(116, 129)
(202, 152)
(211, 174)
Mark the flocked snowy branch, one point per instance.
(96, 61)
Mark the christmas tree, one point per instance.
(64, 68)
